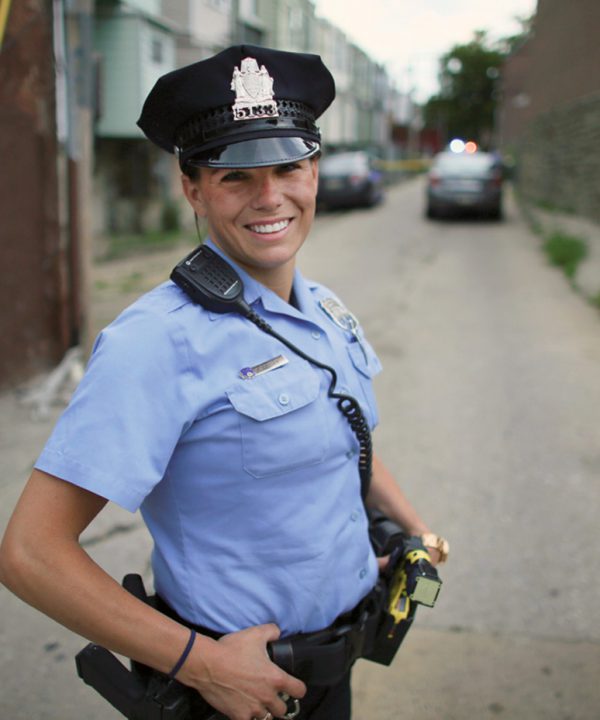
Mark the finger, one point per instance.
(434, 555)
(293, 687)
(278, 707)
(382, 562)
(270, 632)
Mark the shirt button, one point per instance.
(362, 574)
(316, 334)
(350, 454)
(354, 516)
(284, 399)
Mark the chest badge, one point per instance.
(344, 319)
(340, 315)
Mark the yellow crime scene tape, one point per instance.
(409, 165)
(4, 10)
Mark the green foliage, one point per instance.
(169, 219)
(469, 77)
(566, 251)
(132, 283)
(512, 43)
(127, 244)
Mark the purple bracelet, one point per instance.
(183, 657)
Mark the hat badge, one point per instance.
(253, 87)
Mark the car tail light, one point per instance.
(434, 180)
(496, 179)
(356, 179)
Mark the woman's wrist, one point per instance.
(184, 655)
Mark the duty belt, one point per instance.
(322, 657)
(373, 630)
(325, 656)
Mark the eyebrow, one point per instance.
(225, 170)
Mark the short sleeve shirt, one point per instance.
(249, 486)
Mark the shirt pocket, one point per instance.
(283, 420)
(367, 368)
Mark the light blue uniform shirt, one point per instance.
(249, 487)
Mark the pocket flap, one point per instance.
(275, 393)
(370, 369)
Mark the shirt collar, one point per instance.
(255, 291)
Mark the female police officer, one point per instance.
(243, 467)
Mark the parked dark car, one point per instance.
(464, 183)
(349, 179)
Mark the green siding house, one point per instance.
(136, 46)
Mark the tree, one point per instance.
(509, 44)
(465, 105)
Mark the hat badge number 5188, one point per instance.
(253, 87)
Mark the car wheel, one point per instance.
(372, 197)
(431, 212)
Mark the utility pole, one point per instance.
(74, 54)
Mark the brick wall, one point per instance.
(559, 158)
(550, 113)
(32, 329)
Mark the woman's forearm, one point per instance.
(386, 495)
(43, 563)
(48, 569)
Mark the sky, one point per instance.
(409, 36)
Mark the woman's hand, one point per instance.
(236, 676)
(434, 555)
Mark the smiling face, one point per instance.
(259, 217)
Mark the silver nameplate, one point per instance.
(248, 373)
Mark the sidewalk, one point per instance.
(587, 279)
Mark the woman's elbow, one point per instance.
(13, 561)
(20, 560)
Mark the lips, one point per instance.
(269, 228)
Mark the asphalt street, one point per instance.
(489, 418)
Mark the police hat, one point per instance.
(247, 106)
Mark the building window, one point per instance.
(221, 5)
(249, 8)
(157, 50)
(295, 19)
(251, 35)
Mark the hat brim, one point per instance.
(259, 152)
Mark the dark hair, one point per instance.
(191, 171)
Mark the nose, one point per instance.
(267, 195)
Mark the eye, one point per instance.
(233, 176)
(288, 167)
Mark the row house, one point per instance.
(202, 28)
(95, 61)
(138, 40)
(290, 24)
(135, 45)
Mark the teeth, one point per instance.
(272, 228)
